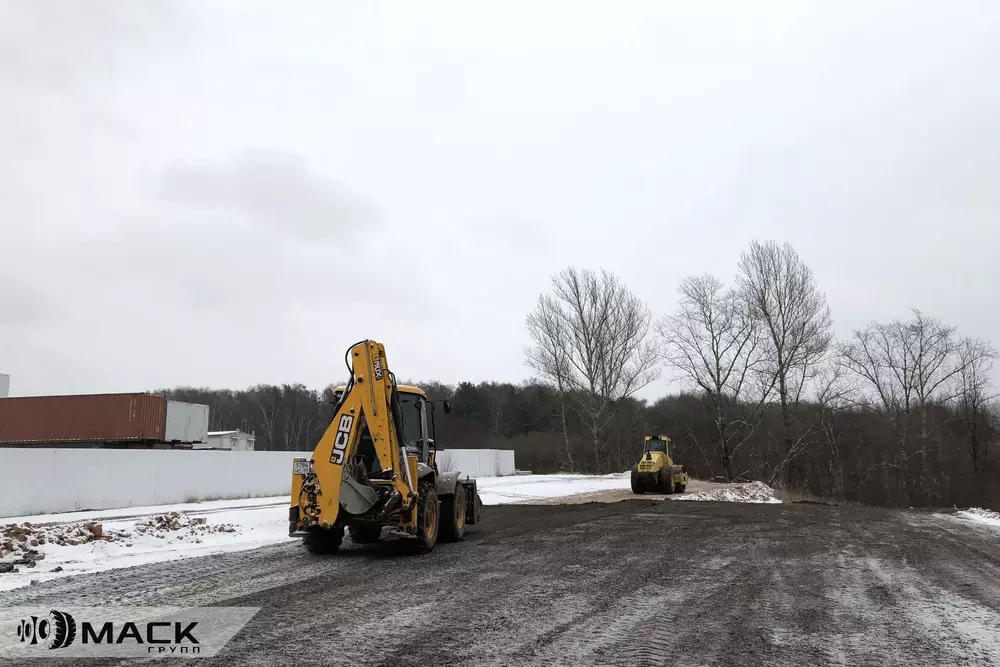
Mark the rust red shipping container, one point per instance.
(83, 418)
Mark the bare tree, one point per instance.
(592, 339)
(911, 366)
(829, 393)
(715, 345)
(267, 400)
(300, 416)
(550, 357)
(780, 293)
(976, 361)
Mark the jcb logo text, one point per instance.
(341, 439)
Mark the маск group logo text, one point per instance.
(59, 630)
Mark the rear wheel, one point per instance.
(366, 533)
(636, 484)
(428, 517)
(453, 515)
(323, 540)
(681, 487)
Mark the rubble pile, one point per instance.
(22, 545)
(175, 522)
(20, 538)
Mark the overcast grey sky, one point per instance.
(225, 193)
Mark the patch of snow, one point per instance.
(980, 515)
(525, 488)
(203, 507)
(753, 492)
(185, 531)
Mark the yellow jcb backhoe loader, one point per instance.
(375, 467)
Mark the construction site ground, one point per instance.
(636, 582)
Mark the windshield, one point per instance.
(410, 403)
(656, 446)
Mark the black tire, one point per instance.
(365, 533)
(320, 541)
(453, 515)
(428, 518)
(681, 487)
(62, 629)
(666, 481)
(636, 484)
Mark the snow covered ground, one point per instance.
(126, 540)
(525, 488)
(979, 515)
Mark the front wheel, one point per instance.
(636, 484)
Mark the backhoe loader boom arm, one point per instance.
(369, 400)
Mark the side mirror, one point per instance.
(447, 407)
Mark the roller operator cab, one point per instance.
(376, 467)
(656, 472)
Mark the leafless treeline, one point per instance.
(900, 413)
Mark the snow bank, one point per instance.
(754, 492)
(525, 488)
(979, 515)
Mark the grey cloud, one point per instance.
(21, 304)
(59, 46)
(275, 189)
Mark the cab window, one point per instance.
(656, 446)
(411, 409)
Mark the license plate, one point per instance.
(301, 467)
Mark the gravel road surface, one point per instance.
(637, 582)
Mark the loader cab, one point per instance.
(656, 444)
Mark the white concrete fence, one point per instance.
(39, 481)
(477, 462)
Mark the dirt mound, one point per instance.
(175, 521)
(24, 544)
(21, 538)
(753, 492)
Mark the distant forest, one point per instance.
(901, 413)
